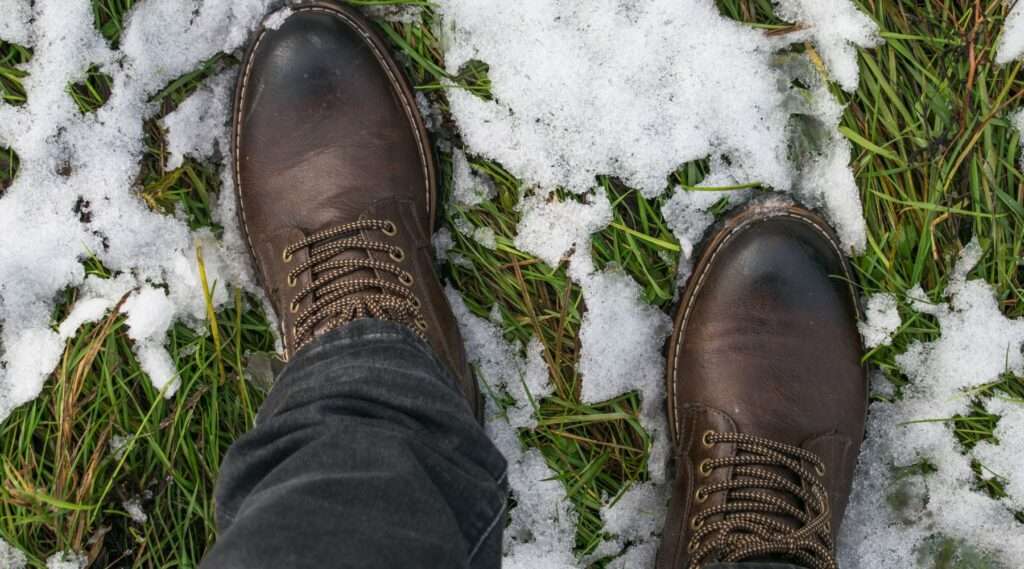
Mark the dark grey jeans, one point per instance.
(365, 455)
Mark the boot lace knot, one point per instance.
(337, 295)
(749, 525)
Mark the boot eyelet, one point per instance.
(696, 523)
(292, 281)
(389, 229)
(294, 307)
(286, 256)
(406, 279)
(705, 467)
(699, 496)
(416, 303)
(692, 547)
(421, 324)
(820, 469)
(706, 439)
(397, 255)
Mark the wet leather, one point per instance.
(766, 344)
(326, 132)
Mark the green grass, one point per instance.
(12, 57)
(92, 92)
(8, 167)
(935, 158)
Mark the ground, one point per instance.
(935, 158)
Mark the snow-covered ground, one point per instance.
(71, 161)
(631, 89)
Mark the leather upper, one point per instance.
(327, 132)
(766, 344)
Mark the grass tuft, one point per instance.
(8, 168)
(100, 435)
(12, 58)
(191, 189)
(90, 94)
(109, 17)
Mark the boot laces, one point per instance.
(337, 296)
(749, 526)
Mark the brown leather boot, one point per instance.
(766, 394)
(336, 184)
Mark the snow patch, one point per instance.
(1005, 460)
(443, 243)
(621, 339)
(891, 516)
(550, 229)
(483, 235)
(469, 189)
(15, 26)
(68, 158)
(881, 320)
(396, 13)
(1011, 46)
(10, 556)
(67, 560)
(611, 89)
(199, 125)
(1017, 120)
(277, 19)
(828, 182)
(119, 445)
(837, 28)
(687, 210)
(133, 507)
(638, 515)
(542, 530)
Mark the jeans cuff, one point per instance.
(338, 344)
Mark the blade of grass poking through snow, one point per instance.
(666, 245)
(211, 312)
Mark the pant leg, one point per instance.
(365, 455)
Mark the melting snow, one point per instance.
(11, 557)
(977, 345)
(550, 228)
(1011, 46)
(196, 127)
(277, 19)
(543, 526)
(1005, 459)
(67, 560)
(837, 29)
(881, 320)
(469, 189)
(631, 89)
(15, 26)
(608, 89)
(44, 240)
(133, 507)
